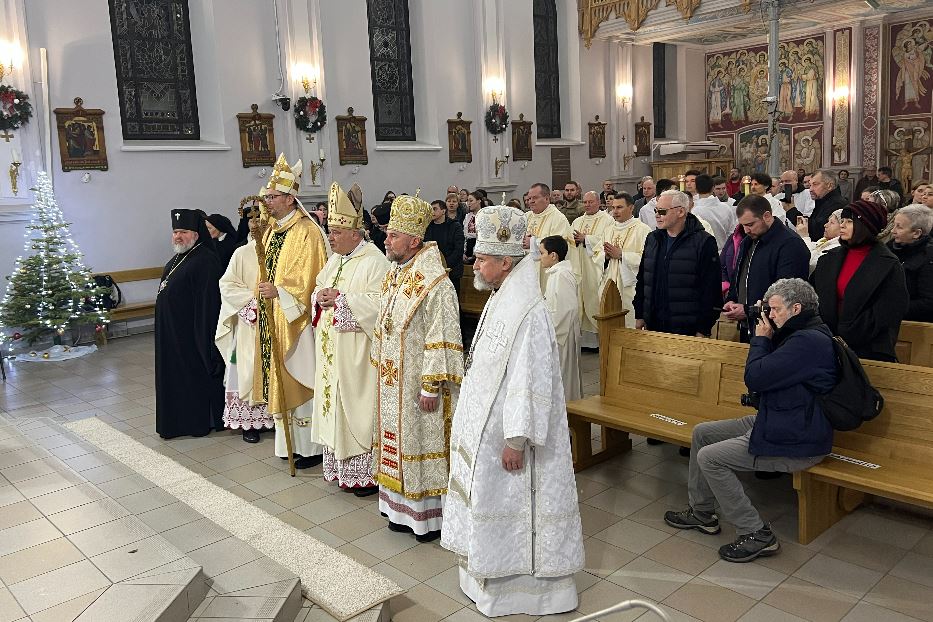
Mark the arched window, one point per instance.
(547, 70)
(155, 69)
(390, 64)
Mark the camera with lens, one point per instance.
(751, 399)
(754, 314)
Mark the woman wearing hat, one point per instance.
(861, 284)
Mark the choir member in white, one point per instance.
(562, 301)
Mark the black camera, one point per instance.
(751, 399)
(788, 194)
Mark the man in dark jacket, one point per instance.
(788, 364)
(448, 234)
(824, 186)
(678, 288)
(770, 251)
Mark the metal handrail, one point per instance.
(624, 605)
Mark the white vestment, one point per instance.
(562, 301)
(630, 236)
(549, 222)
(590, 258)
(804, 202)
(777, 210)
(236, 333)
(345, 382)
(646, 213)
(518, 533)
(720, 217)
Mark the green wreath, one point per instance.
(15, 109)
(310, 114)
(497, 119)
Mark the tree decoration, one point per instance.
(15, 109)
(310, 114)
(50, 289)
(496, 119)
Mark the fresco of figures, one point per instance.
(754, 149)
(737, 81)
(911, 68)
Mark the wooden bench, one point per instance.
(914, 340)
(472, 300)
(134, 310)
(661, 386)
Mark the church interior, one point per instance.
(116, 113)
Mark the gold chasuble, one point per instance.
(295, 253)
(551, 222)
(416, 346)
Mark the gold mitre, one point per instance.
(285, 178)
(410, 214)
(342, 212)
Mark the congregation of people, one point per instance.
(339, 328)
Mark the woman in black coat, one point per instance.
(863, 294)
(910, 241)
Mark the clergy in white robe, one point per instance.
(588, 236)
(623, 244)
(542, 220)
(512, 516)
(236, 338)
(562, 301)
(345, 305)
(418, 352)
(719, 216)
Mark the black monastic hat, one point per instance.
(187, 219)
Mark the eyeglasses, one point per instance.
(663, 212)
(269, 197)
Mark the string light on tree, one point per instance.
(50, 290)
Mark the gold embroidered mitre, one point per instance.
(341, 211)
(410, 215)
(285, 178)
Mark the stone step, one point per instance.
(84, 538)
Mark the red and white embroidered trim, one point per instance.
(240, 415)
(404, 509)
(354, 472)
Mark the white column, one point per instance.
(491, 39)
(621, 117)
(28, 143)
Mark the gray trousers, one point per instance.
(720, 449)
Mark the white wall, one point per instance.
(120, 218)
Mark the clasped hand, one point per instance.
(327, 297)
(268, 290)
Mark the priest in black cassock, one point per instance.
(189, 369)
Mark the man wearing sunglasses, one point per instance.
(678, 287)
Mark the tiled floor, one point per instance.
(876, 565)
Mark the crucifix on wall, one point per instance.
(906, 154)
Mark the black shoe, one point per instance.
(654, 441)
(365, 492)
(431, 536)
(750, 546)
(251, 436)
(768, 474)
(684, 451)
(686, 519)
(306, 462)
(399, 528)
(295, 456)
(383, 515)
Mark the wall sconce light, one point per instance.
(307, 76)
(626, 158)
(315, 168)
(500, 162)
(496, 88)
(841, 94)
(624, 94)
(10, 54)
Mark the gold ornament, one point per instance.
(61, 331)
(33, 353)
(45, 355)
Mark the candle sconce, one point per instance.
(14, 175)
(500, 162)
(315, 168)
(626, 158)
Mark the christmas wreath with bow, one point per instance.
(310, 114)
(497, 119)
(15, 109)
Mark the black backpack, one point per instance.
(107, 298)
(853, 400)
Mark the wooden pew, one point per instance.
(138, 309)
(914, 340)
(472, 300)
(661, 386)
(915, 344)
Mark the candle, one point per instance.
(507, 153)
(322, 155)
(683, 184)
(746, 185)
(15, 154)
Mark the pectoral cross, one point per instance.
(496, 339)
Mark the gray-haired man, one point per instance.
(790, 357)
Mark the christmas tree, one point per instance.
(50, 289)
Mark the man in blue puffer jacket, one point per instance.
(788, 365)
